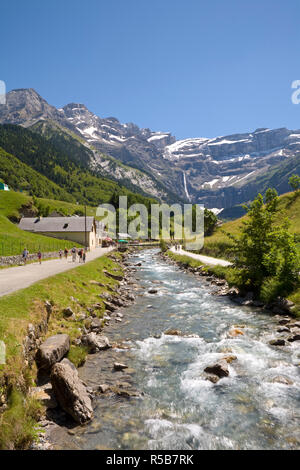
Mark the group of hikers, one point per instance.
(74, 252)
(177, 247)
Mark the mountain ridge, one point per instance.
(215, 172)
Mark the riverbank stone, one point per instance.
(52, 351)
(95, 342)
(70, 392)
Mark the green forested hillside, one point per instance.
(20, 176)
(64, 165)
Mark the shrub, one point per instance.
(163, 245)
(270, 289)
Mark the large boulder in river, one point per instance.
(95, 342)
(70, 392)
(52, 351)
(220, 369)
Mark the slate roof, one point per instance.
(56, 224)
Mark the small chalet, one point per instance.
(77, 229)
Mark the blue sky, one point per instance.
(195, 68)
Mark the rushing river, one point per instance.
(179, 409)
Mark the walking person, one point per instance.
(66, 252)
(80, 253)
(60, 253)
(39, 255)
(83, 256)
(74, 252)
(25, 255)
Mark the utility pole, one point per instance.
(85, 232)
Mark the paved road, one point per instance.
(13, 279)
(203, 259)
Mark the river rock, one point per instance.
(284, 321)
(70, 392)
(212, 378)
(81, 317)
(280, 379)
(277, 342)
(52, 351)
(95, 342)
(219, 282)
(233, 332)
(119, 366)
(294, 337)
(130, 297)
(173, 332)
(110, 307)
(117, 301)
(230, 358)
(233, 291)
(283, 329)
(103, 388)
(220, 369)
(152, 291)
(125, 393)
(96, 325)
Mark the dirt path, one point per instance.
(20, 277)
(203, 259)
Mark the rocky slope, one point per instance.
(216, 172)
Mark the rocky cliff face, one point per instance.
(217, 170)
(25, 107)
(211, 171)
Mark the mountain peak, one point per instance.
(25, 106)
